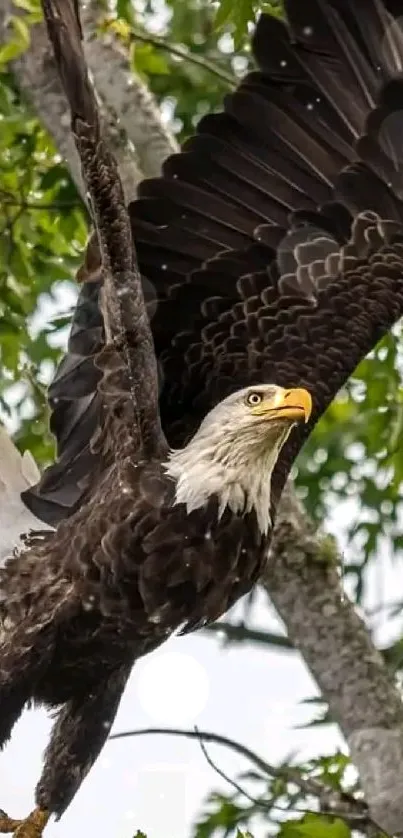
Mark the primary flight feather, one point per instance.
(217, 319)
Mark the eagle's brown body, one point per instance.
(274, 245)
(118, 579)
(170, 569)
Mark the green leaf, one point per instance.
(147, 60)
(237, 15)
(18, 35)
(32, 6)
(124, 9)
(315, 826)
(224, 13)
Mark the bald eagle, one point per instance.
(218, 317)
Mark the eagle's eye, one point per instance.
(254, 398)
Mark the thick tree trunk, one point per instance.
(303, 581)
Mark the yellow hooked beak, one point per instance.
(295, 405)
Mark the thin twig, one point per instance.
(228, 779)
(267, 805)
(240, 633)
(207, 736)
(186, 55)
(53, 207)
(287, 773)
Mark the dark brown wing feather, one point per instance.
(302, 147)
(129, 387)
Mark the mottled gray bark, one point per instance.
(301, 579)
(304, 584)
(126, 94)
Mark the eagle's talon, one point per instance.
(31, 827)
(7, 824)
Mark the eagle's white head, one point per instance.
(233, 454)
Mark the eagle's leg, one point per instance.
(81, 729)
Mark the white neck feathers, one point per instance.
(234, 467)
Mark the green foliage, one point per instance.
(237, 16)
(355, 453)
(315, 826)
(280, 805)
(188, 87)
(42, 232)
(223, 817)
(19, 25)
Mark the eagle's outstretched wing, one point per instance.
(129, 385)
(273, 184)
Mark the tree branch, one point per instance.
(304, 584)
(240, 633)
(185, 55)
(331, 801)
(291, 775)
